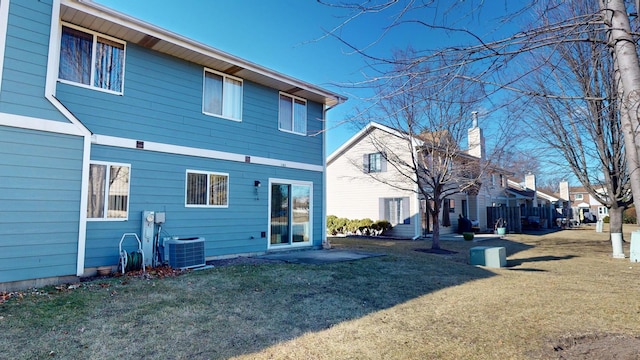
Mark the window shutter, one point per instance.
(365, 163)
(381, 209)
(406, 211)
(383, 162)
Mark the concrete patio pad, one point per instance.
(318, 257)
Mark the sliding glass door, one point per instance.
(290, 213)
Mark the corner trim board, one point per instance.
(4, 19)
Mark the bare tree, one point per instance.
(497, 64)
(580, 116)
(431, 114)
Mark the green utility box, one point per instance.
(489, 256)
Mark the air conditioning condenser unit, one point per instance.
(184, 253)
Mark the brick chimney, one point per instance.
(530, 184)
(564, 190)
(530, 181)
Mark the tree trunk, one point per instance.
(615, 230)
(628, 69)
(615, 219)
(435, 236)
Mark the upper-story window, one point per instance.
(222, 95)
(579, 197)
(293, 114)
(373, 163)
(91, 59)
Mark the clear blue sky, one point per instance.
(287, 36)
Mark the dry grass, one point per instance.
(406, 305)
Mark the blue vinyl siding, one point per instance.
(162, 102)
(25, 64)
(158, 184)
(39, 204)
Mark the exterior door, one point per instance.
(290, 213)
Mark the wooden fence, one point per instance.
(521, 218)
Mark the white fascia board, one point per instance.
(4, 19)
(112, 15)
(199, 152)
(547, 196)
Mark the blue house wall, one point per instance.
(40, 157)
(162, 102)
(39, 204)
(158, 184)
(50, 134)
(25, 61)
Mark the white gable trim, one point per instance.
(4, 19)
(361, 134)
(198, 152)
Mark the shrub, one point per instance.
(383, 225)
(605, 219)
(336, 225)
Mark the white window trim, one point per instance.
(4, 19)
(579, 196)
(292, 123)
(224, 76)
(290, 183)
(186, 181)
(378, 170)
(95, 34)
(106, 202)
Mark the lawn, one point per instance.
(557, 290)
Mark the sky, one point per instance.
(288, 36)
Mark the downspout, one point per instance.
(325, 241)
(49, 94)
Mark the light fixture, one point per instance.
(256, 185)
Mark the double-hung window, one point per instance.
(91, 59)
(207, 189)
(222, 95)
(373, 163)
(108, 193)
(292, 114)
